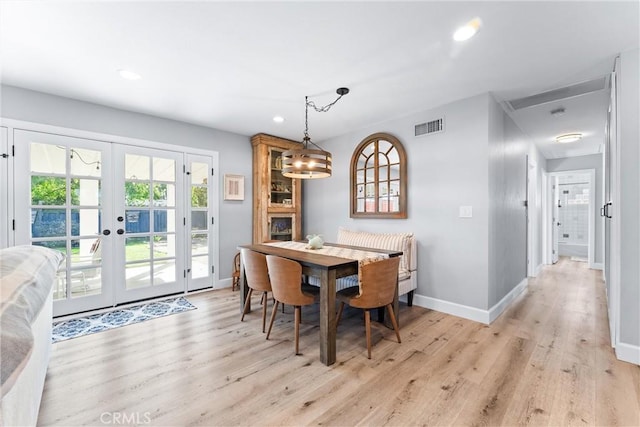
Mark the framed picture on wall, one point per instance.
(233, 187)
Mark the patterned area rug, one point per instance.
(74, 328)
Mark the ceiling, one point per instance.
(235, 65)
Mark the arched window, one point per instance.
(379, 178)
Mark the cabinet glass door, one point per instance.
(281, 227)
(282, 188)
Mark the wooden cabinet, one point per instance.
(277, 200)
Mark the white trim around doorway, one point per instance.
(548, 203)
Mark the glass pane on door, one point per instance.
(200, 273)
(199, 220)
(150, 220)
(66, 213)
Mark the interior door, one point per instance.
(62, 201)
(149, 223)
(556, 218)
(200, 231)
(4, 187)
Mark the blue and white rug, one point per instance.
(74, 328)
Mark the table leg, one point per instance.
(328, 317)
(244, 288)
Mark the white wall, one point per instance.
(445, 171)
(593, 161)
(629, 143)
(508, 149)
(234, 150)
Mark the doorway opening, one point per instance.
(570, 219)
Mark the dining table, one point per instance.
(329, 263)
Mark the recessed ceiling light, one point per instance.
(129, 75)
(468, 30)
(278, 119)
(568, 137)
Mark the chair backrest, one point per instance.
(378, 282)
(286, 278)
(255, 270)
(236, 264)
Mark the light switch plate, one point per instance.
(466, 211)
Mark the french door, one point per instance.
(63, 202)
(148, 231)
(133, 222)
(4, 185)
(199, 221)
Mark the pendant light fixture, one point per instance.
(305, 162)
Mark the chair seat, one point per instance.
(311, 290)
(347, 294)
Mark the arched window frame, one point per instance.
(376, 198)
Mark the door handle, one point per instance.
(606, 209)
(106, 232)
(120, 231)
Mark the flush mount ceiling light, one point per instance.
(468, 30)
(568, 137)
(305, 162)
(129, 75)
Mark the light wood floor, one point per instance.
(545, 361)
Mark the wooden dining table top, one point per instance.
(311, 259)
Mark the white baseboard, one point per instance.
(596, 266)
(471, 313)
(452, 308)
(539, 269)
(223, 283)
(497, 309)
(628, 353)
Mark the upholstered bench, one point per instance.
(405, 242)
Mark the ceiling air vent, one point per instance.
(558, 94)
(434, 126)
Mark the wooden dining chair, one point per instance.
(378, 281)
(236, 272)
(257, 276)
(286, 278)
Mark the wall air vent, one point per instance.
(434, 126)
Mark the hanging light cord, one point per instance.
(324, 109)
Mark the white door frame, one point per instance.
(532, 219)
(5, 174)
(614, 210)
(546, 219)
(592, 203)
